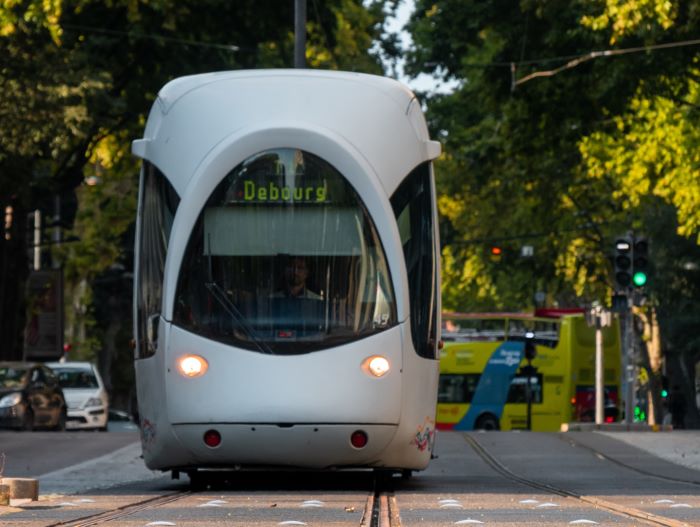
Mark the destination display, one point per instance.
(284, 177)
(256, 192)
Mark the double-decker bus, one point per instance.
(485, 382)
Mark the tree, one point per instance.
(544, 142)
(78, 78)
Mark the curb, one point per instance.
(24, 489)
(614, 427)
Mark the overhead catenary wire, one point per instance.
(573, 60)
(150, 36)
(594, 55)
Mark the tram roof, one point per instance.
(380, 117)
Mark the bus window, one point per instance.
(459, 389)
(518, 389)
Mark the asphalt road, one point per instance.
(31, 454)
(477, 478)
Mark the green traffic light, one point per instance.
(639, 278)
(664, 393)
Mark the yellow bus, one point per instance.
(485, 380)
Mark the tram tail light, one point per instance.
(358, 439)
(376, 366)
(212, 438)
(192, 365)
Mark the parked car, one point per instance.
(30, 397)
(88, 403)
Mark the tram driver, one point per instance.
(296, 274)
(295, 306)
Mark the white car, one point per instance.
(85, 394)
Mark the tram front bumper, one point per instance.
(312, 446)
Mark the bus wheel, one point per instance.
(487, 422)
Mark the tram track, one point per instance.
(123, 511)
(380, 510)
(383, 511)
(599, 503)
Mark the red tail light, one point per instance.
(610, 419)
(212, 438)
(358, 439)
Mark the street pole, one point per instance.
(528, 394)
(599, 384)
(599, 318)
(56, 230)
(629, 371)
(37, 239)
(300, 33)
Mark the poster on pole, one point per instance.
(43, 333)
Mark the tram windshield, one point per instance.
(284, 259)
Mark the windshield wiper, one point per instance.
(230, 308)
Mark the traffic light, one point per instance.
(495, 253)
(622, 261)
(640, 262)
(530, 350)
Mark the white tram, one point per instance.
(287, 281)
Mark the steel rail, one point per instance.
(615, 508)
(124, 510)
(381, 510)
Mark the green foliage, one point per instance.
(652, 149)
(545, 146)
(543, 163)
(625, 17)
(78, 78)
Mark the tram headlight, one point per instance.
(376, 366)
(192, 365)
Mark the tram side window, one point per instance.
(413, 207)
(158, 204)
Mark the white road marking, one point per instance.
(312, 503)
(468, 520)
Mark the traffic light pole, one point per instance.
(599, 386)
(629, 368)
(630, 261)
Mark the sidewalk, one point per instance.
(122, 466)
(678, 446)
